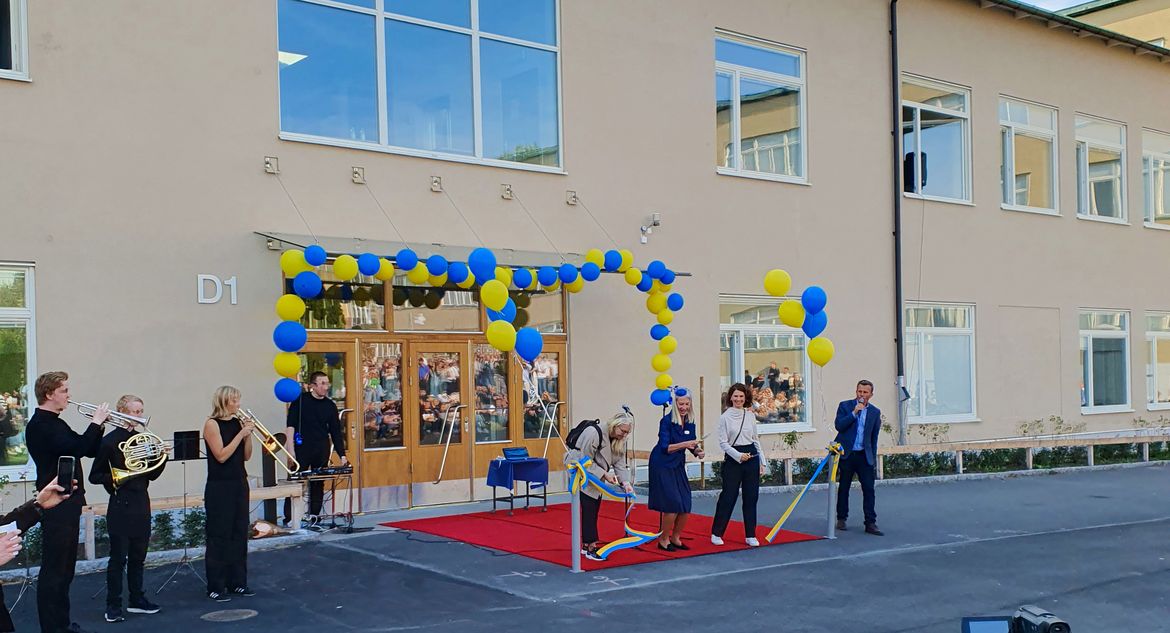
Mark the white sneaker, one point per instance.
(715, 540)
(752, 542)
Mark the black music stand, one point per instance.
(186, 448)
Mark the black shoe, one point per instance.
(241, 591)
(113, 614)
(679, 546)
(872, 528)
(219, 597)
(841, 525)
(592, 554)
(670, 547)
(142, 605)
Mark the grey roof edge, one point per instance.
(1092, 7)
(1081, 29)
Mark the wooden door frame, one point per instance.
(352, 354)
(465, 348)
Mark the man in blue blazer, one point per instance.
(858, 424)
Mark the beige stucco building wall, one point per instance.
(1146, 20)
(132, 162)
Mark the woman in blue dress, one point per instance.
(670, 489)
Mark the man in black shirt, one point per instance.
(50, 438)
(127, 517)
(312, 421)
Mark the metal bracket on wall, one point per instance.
(437, 184)
(506, 192)
(358, 174)
(571, 198)
(271, 165)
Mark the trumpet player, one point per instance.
(128, 516)
(49, 438)
(227, 434)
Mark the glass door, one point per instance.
(440, 446)
(332, 359)
(385, 456)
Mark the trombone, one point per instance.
(117, 418)
(270, 444)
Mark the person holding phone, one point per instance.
(858, 423)
(17, 522)
(56, 449)
(228, 437)
(742, 464)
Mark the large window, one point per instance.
(940, 362)
(1028, 151)
(491, 395)
(472, 80)
(13, 39)
(769, 357)
(17, 361)
(1158, 360)
(1156, 177)
(1100, 169)
(1104, 361)
(356, 304)
(759, 109)
(542, 396)
(382, 384)
(936, 146)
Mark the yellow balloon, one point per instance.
(791, 313)
(437, 280)
(633, 276)
(290, 308)
(595, 256)
(287, 364)
(820, 350)
(666, 316)
(627, 260)
(576, 285)
(467, 283)
(777, 282)
(293, 262)
(494, 294)
(504, 275)
(553, 288)
(667, 345)
(663, 381)
(501, 334)
(658, 286)
(535, 283)
(385, 270)
(345, 267)
(660, 362)
(656, 302)
(418, 274)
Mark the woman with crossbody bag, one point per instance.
(742, 464)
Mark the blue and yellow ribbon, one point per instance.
(835, 452)
(579, 477)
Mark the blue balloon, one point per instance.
(546, 275)
(482, 263)
(656, 269)
(406, 259)
(507, 314)
(332, 358)
(660, 397)
(457, 272)
(346, 292)
(568, 273)
(681, 392)
(290, 336)
(668, 277)
(813, 299)
(436, 265)
(315, 255)
(674, 301)
(529, 342)
(815, 323)
(307, 285)
(646, 284)
(522, 278)
(287, 390)
(659, 332)
(613, 260)
(368, 264)
(590, 271)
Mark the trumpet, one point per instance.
(269, 443)
(117, 418)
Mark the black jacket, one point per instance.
(25, 517)
(50, 438)
(129, 510)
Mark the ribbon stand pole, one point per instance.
(830, 514)
(575, 514)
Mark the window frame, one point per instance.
(1009, 128)
(27, 315)
(1152, 337)
(1081, 158)
(18, 18)
(919, 333)
(1147, 206)
(738, 72)
(1086, 337)
(926, 82)
(381, 16)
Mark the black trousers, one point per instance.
(738, 475)
(126, 553)
(590, 507)
(310, 458)
(856, 463)
(60, 528)
(226, 503)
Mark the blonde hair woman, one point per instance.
(228, 438)
(609, 464)
(670, 488)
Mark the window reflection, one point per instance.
(541, 393)
(532, 20)
(519, 86)
(382, 395)
(14, 390)
(428, 88)
(344, 305)
(770, 128)
(439, 388)
(541, 310)
(427, 309)
(491, 394)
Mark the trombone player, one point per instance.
(227, 434)
(128, 516)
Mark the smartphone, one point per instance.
(65, 476)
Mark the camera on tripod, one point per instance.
(1028, 619)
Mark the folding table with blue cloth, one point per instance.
(517, 465)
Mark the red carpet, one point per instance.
(545, 535)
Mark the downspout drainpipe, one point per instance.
(896, 181)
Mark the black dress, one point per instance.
(225, 498)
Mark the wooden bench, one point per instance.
(291, 489)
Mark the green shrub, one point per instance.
(193, 527)
(163, 531)
(996, 460)
(1059, 456)
(918, 465)
(1117, 454)
(1159, 451)
(32, 546)
(803, 469)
